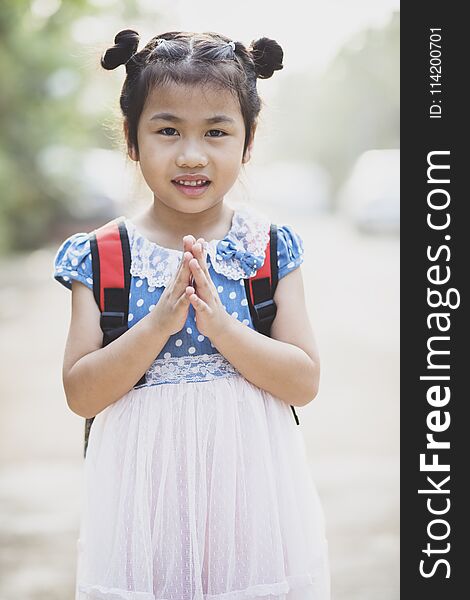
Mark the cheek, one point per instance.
(149, 139)
(233, 152)
(153, 154)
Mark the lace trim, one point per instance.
(291, 582)
(155, 263)
(238, 256)
(178, 369)
(99, 592)
(241, 253)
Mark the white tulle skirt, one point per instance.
(200, 491)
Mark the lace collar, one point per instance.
(237, 256)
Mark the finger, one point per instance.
(199, 275)
(188, 241)
(184, 271)
(202, 282)
(183, 299)
(200, 252)
(191, 280)
(198, 248)
(184, 260)
(204, 245)
(189, 290)
(198, 303)
(188, 244)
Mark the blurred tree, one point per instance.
(49, 84)
(352, 107)
(33, 48)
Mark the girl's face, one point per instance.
(202, 132)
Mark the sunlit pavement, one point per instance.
(351, 428)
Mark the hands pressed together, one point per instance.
(192, 284)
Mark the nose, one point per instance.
(191, 156)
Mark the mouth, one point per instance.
(191, 189)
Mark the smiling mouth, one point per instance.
(191, 190)
(192, 184)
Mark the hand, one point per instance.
(202, 244)
(211, 316)
(173, 305)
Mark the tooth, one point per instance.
(192, 183)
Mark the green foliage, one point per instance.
(41, 81)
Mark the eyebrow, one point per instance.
(164, 116)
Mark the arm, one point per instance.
(95, 377)
(287, 365)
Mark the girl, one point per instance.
(197, 484)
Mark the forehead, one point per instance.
(192, 103)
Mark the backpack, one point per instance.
(111, 262)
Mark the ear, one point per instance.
(249, 148)
(130, 148)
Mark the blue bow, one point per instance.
(226, 249)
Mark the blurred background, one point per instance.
(326, 161)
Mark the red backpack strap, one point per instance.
(260, 291)
(110, 252)
(111, 262)
(261, 287)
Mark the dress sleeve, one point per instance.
(73, 261)
(290, 250)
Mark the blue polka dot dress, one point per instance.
(196, 483)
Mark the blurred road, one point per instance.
(351, 429)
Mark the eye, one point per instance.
(166, 129)
(219, 131)
(161, 131)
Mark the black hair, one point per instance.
(190, 58)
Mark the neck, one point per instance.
(212, 223)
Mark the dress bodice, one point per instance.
(237, 256)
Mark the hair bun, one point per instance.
(125, 45)
(267, 55)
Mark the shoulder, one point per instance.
(290, 249)
(290, 245)
(73, 261)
